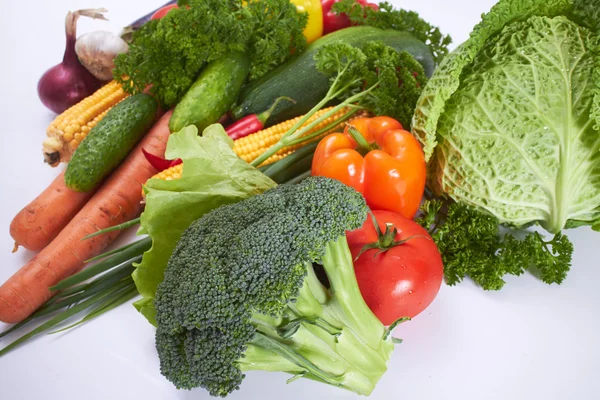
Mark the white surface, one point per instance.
(528, 341)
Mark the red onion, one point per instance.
(69, 82)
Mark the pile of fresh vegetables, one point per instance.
(305, 175)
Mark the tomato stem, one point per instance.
(385, 240)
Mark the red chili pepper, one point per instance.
(254, 122)
(160, 163)
(333, 22)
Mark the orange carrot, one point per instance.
(118, 200)
(40, 221)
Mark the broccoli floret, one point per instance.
(240, 294)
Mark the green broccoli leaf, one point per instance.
(212, 176)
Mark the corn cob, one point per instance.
(170, 173)
(250, 147)
(72, 126)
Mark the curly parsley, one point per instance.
(169, 53)
(401, 78)
(380, 79)
(375, 78)
(472, 245)
(386, 17)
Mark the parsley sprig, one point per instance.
(169, 53)
(472, 244)
(386, 17)
(375, 78)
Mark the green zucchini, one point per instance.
(109, 142)
(300, 80)
(213, 93)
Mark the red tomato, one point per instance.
(163, 11)
(404, 279)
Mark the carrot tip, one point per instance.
(15, 248)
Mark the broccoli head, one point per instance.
(240, 293)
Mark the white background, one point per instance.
(528, 341)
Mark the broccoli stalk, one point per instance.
(240, 293)
(329, 336)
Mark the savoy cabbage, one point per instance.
(510, 121)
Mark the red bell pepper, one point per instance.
(333, 22)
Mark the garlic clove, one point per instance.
(97, 50)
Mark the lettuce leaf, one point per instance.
(212, 176)
(510, 122)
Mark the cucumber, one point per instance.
(213, 93)
(109, 142)
(300, 79)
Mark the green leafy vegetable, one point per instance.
(386, 17)
(240, 293)
(513, 116)
(112, 286)
(376, 78)
(169, 53)
(112, 283)
(399, 78)
(472, 244)
(212, 176)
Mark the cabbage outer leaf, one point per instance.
(518, 137)
(446, 79)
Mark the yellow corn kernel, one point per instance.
(250, 147)
(72, 126)
(68, 136)
(170, 173)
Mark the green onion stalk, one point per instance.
(299, 133)
(109, 283)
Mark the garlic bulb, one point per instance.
(97, 51)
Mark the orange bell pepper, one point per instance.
(377, 158)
